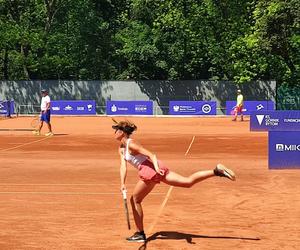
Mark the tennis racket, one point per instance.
(124, 193)
(35, 122)
(233, 110)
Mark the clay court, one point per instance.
(63, 192)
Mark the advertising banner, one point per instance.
(283, 120)
(7, 108)
(76, 107)
(192, 108)
(284, 149)
(129, 108)
(250, 106)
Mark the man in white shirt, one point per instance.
(239, 105)
(45, 113)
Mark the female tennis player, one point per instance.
(151, 171)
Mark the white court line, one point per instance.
(69, 193)
(149, 231)
(25, 144)
(189, 146)
(62, 184)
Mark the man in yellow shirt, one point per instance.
(239, 105)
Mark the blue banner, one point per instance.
(284, 149)
(7, 108)
(129, 108)
(250, 106)
(70, 107)
(283, 120)
(192, 108)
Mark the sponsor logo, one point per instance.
(90, 107)
(56, 108)
(291, 120)
(260, 118)
(113, 108)
(271, 121)
(287, 147)
(259, 106)
(176, 108)
(68, 108)
(206, 108)
(279, 147)
(80, 109)
(140, 108)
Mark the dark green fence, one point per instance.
(288, 97)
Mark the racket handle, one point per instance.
(124, 193)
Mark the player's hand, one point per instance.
(160, 171)
(123, 188)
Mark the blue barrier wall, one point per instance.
(70, 107)
(275, 120)
(192, 108)
(284, 149)
(129, 108)
(250, 106)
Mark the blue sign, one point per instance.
(192, 108)
(129, 108)
(284, 149)
(287, 120)
(250, 106)
(7, 108)
(70, 107)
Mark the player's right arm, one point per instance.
(123, 168)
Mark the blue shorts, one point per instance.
(45, 117)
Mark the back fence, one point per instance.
(26, 94)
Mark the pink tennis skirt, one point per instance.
(148, 173)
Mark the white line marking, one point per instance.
(149, 231)
(69, 193)
(61, 184)
(189, 146)
(25, 144)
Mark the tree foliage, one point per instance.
(240, 40)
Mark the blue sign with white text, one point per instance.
(129, 107)
(284, 149)
(250, 106)
(70, 107)
(281, 120)
(192, 108)
(7, 108)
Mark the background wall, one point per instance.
(27, 93)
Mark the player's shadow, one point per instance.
(173, 235)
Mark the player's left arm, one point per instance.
(136, 147)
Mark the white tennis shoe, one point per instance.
(35, 132)
(222, 171)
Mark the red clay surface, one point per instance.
(63, 192)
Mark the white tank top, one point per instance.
(135, 160)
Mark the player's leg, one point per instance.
(49, 127)
(242, 115)
(47, 119)
(38, 131)
(178, 180)
(141, 190)
(42, 119)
